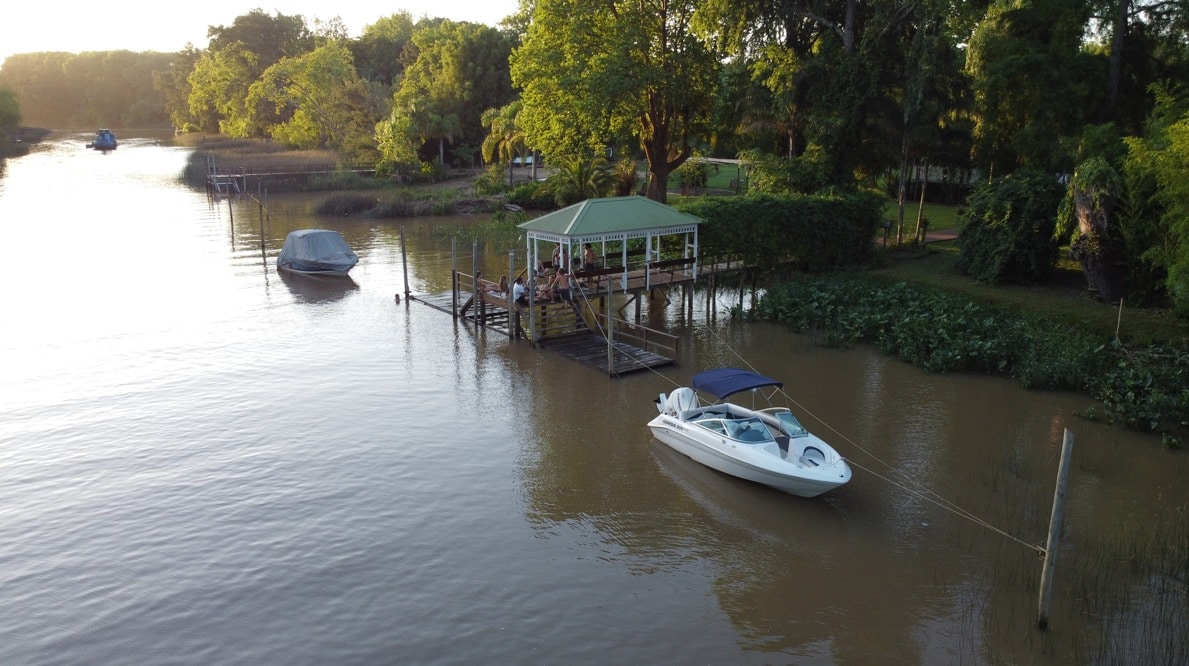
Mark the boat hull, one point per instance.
(745, 461)
(329, 272)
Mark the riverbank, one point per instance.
(21, 139)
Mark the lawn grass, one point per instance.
(939, 216)
(1064, 296)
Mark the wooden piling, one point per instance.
(1050, 554)
(512, 309)
(404, 261)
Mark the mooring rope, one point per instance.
(918, 488)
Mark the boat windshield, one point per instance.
(748, 430)
(790, 423)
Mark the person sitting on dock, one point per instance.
(518, 294)
(491, 287)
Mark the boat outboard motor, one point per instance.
(681, 400)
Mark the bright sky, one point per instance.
(136, 25)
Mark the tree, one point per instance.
(578, 179)
(323, 98)
(1032, 83)
(592, 71)
(10, 112)
(269, 38)
(1007, 229)
(219, 91)
(460, 70)
(379, 50)
(237, 56)
(832, 69)
(505, 140)
(1156, 207)
(174, 83)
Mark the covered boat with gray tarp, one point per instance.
(316, 252)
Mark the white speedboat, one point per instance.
(768, 445)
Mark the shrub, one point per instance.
(1007, 229)
(345, 204)
(817, 232)
(535, 196)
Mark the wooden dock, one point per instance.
(577, 330)
(562, 328)
(592, 350)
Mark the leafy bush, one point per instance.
(1145, 388)
(1007, 229)
(493, 180)
(345, 204)
(534, 196)
(770, 174)
(815, 231)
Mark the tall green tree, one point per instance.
(1156, 207)
(268, 37)
(219, 92)
(1033, 83)
(10, 112)
(505, 139)
(379, 51)
(174, 84)
(325, 103)
(236, 57)
(590, 72)
(832, 68)
(458, 71)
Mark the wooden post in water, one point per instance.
(260, 211)
(475, 306)
(404, 261)
(511, 305)
(1050, 558)
(611, 342)
(454, 277)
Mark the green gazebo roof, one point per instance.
(611, 219)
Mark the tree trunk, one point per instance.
(1093, 247)
(901, 190)
(922, 226)
(1118, 44)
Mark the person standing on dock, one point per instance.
(561, 285)
(589, 259)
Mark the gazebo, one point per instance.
(609, 225)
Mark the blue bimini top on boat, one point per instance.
(723, 382)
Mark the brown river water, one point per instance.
(204, 462)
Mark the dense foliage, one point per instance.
(939, 332)
(1007, 229)
(93, 89)
(815, 232)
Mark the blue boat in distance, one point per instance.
(105, 139)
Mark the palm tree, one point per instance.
(505, 139)
(578, 179)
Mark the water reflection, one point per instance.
(318, 288)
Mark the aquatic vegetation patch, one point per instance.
(1144, 388)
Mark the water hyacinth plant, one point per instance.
(1145, 388)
